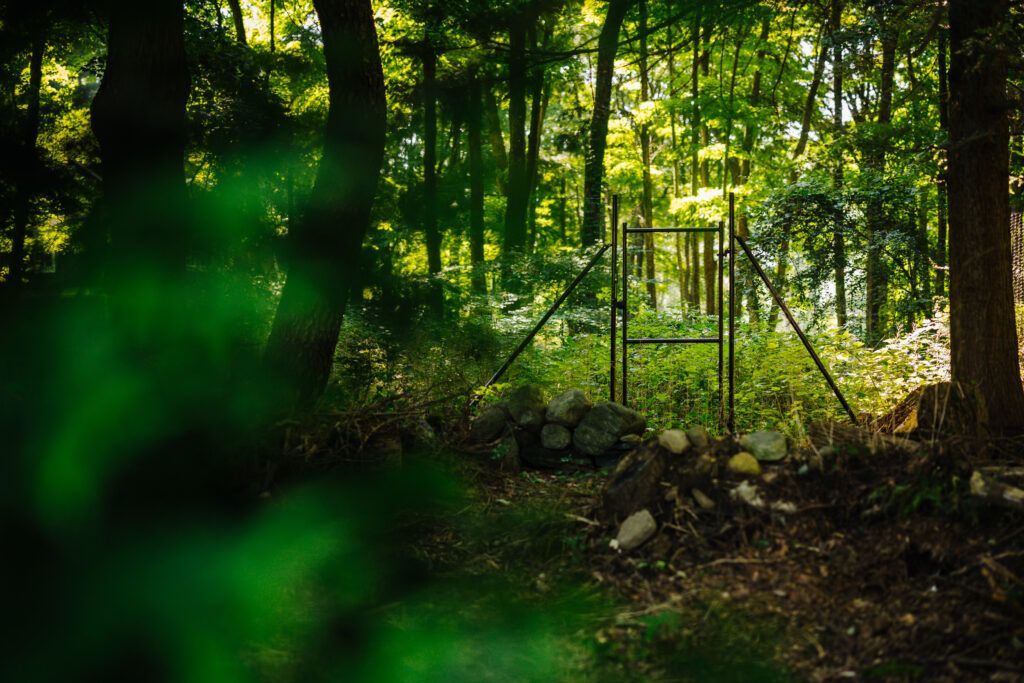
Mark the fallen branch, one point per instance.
(996, 492)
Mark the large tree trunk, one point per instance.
(30, 136)
(518, 180)
(138, 117)
(838, 239)
(983, 334)
(474, 129)
(327, 241)
(593, 173)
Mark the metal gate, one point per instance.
(620, 307)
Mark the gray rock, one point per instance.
(568, 408)
(636, 530)
(765, 446)
(489, 425)
(604, 425)
(699, 437)
(555, 437)
(526, 405)
(674, 441)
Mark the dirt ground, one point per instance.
(881, 568)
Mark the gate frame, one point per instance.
(619, 306)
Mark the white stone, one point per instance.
(636, 530)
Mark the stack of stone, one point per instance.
(529, 430)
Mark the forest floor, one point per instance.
(883, 569)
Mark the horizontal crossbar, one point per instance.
(636, 230)
(674, 340)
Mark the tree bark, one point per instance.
(593, 174)
(838, 239)
(983, 333)
(497, 141)
(474, 126)
(30, 137)
(518, 182)
(327, 240)
(430, 230)
(647, 203)
(138, 117)
(540, 92)
(940, 185)
(877, 278)
(239, 19)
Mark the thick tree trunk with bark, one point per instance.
(138, 117)
(327, 240)
(593, 174)
(983, 334)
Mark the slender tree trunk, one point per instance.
(877, 273)
(695, 123)
(983, 332)
(273, 26)
(645, 155)
(138, 117)
(239, 19)
(326, 242)
(497, 141)
(540, 92)
(474, 129)
(518, 182)
(684, 280)
(30, 136)
(695, 269)
(593, 174)
(750, 134)
(812, 97)
(940, 185)
(838, 239)
(430, 229)
(924, 262)
(810, 103)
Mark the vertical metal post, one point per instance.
(625, 311)
(614, 293)
(721, 324)
(731, 424)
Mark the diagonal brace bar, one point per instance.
(800, 333)
(547, 316)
